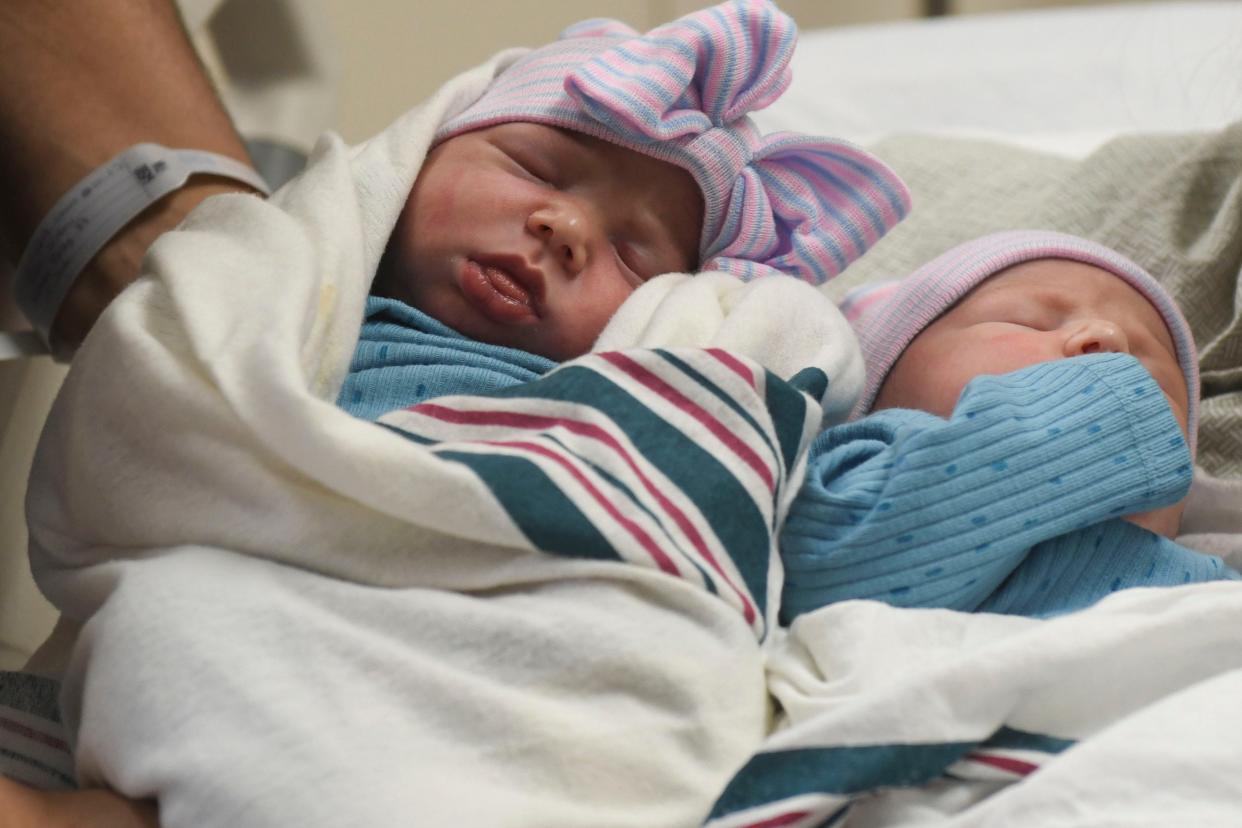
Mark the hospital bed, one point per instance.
(1013, 111)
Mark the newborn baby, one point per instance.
(1029, 405)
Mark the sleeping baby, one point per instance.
(582, 172)
(1028, 404)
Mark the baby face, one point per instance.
(531, 236)
(1034, 312)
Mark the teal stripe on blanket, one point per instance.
(778, 775)
(846, 771)
(530, 498)
(635, 502)
(719, 393)
(676, 458)
(788, 407)
(1008, 738)
(735, 519)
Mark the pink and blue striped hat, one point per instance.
(785, 202)
(887, 316)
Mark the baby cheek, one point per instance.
(432, 216)
(1007, 351)
(438, 202)
(595, 310)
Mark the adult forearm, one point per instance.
(79, 83)
(23, 807)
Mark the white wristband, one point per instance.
(95, 209)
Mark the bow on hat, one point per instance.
(792, 203)
(785, 202)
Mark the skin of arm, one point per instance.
(79, 83)
(23, 807)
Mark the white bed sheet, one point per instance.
(1059, 80)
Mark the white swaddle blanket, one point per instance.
(294, 617)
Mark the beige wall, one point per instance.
(815, 13)
(395, 53)
(987, 6)
(27, 388)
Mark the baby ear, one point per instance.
(598, 27)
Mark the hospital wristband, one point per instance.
(95, 209)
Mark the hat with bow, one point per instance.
(784, 202)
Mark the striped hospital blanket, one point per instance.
(33, 746)
(669, 466)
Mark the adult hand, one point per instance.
(79, 83)
(24, 807)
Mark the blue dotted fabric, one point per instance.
(908, 508)
(405, 357)
(1078, 568)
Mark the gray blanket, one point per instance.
(1173, 203)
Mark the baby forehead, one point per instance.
(1070, 286)
(1066, 284)
(1056, 273)
(571, 145)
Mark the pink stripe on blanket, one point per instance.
(637, 532)
(32, 734)
(1005, 763)
(512, 419)
(671, 394)
(733, 364)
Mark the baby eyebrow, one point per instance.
(1055, 300)
(1012, 300)
(1050, 307)
(567, 140)
(552, 147)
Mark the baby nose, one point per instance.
(1096, 336)
(565, 230)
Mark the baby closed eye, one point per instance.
(648, 259)
(631, 263)
(527, 161)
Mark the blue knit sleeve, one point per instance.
(405, 357)
(1078, 568)
(915, 510)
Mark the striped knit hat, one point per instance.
(785, 202)
(889, 315)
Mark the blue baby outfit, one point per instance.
(1010, 505)
(405, 357)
